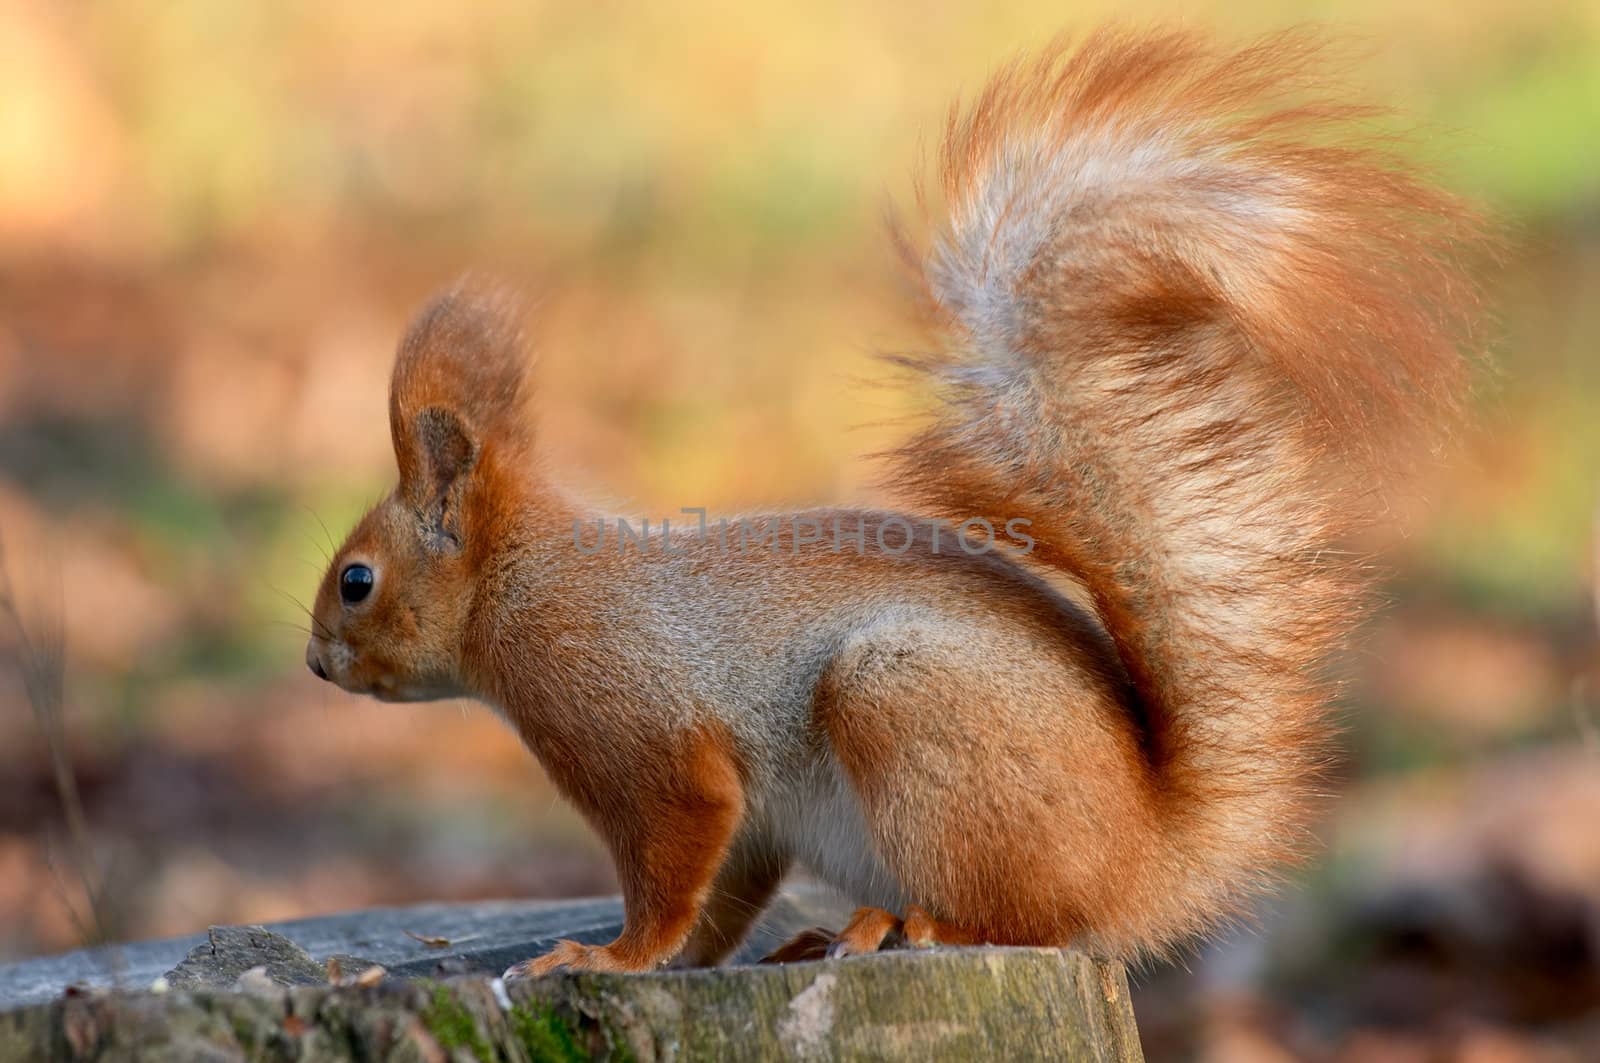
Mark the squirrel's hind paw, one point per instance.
(807, 945)
(871, 930)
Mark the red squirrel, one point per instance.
(1186, 318)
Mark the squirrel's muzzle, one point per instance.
(314, 663)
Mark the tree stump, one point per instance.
(254, 993)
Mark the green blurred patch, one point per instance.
(1527, 557)
(1524, 124)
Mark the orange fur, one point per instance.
(1177, 310)
(669, 835)
(1189, 350)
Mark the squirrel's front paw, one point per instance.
(569, 955)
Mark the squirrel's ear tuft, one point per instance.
(459, 391)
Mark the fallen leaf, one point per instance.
(431, 942)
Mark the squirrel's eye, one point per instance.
(355, 583)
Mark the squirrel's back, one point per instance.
(1190, 314)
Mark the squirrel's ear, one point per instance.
(458, 395)
(433, 471)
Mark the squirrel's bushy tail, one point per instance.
(1185, 318)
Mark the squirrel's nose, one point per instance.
(315, 664)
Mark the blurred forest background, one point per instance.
(215, 218)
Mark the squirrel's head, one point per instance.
(392, 610)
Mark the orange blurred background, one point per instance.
(215, 219)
